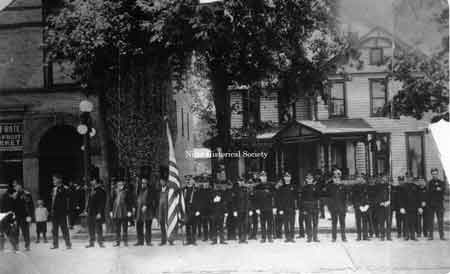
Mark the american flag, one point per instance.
(176, 206)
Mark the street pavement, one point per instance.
(398, 256)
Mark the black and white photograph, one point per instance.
(224, 136)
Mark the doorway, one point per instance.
(59, 152)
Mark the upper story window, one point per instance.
(337, 100)
(251, 108)
(415, 154)
(376, 56)
(378, 96)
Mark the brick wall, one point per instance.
(21, 54)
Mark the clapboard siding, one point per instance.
(269, 107)
(322, 110)
(237, 117)
(302, 109)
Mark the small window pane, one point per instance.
(337, 91)
(376, 56)
(377, 106)
(378, 89)
(337, 107)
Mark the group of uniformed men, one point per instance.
(275, 206)
(240, 208)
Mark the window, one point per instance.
(10, 166)
(415, 154)
(380, 151)
(378, 96)
(251, 108)
(337, 100)
(187, 125)
(182, 122)
(376, 56)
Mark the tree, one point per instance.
(283, 44)
(424, 79)
(119, 52)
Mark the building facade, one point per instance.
(350, 129)
(39, 108)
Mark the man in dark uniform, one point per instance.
(23, 209)
(253, 214)
(320, 183)
(229, 196)
(372, 193)
(360, 203)
(145, 209)
(218, 214)
(96, 212)
(278, 219)
(309, 207)
(436, 191)
(204, 194)
(395, 205)
(76, 201)
(423, 212)
(192, 202)
(337, 205)
(59, 210)
(264, 194)
(409, 207)
(286, 207)
(241, 209)
(382, 208)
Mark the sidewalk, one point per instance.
(324, 228)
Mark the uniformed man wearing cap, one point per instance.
(383, 207)
(192, 203)
(96, 212)
(309, 207)
(204, 194)
(337, 205)
(253, 213)
(372, 193)
(409, 204)
(265, 205)
(360, 202)
(395, 205)
(287, 194)
(422, 214)
(218, 214)
(240, 206)
(436, 190)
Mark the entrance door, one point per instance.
(59, 152)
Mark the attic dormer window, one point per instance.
(376, 56)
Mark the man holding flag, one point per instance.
(171, 201)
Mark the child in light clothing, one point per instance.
(41, 215)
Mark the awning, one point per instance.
(333, 129)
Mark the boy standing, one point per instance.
(41, 216)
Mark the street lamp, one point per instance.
(86, 130)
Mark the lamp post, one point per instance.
(86, 130)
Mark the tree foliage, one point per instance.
(424, 79)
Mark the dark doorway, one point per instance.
(59, 152)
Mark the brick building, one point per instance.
(39, 107)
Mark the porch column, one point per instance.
(368, 162)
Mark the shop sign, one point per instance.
(11, 136)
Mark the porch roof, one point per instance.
(307, 130)
(339, 126)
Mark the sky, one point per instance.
(4, 3)
(414, 19)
